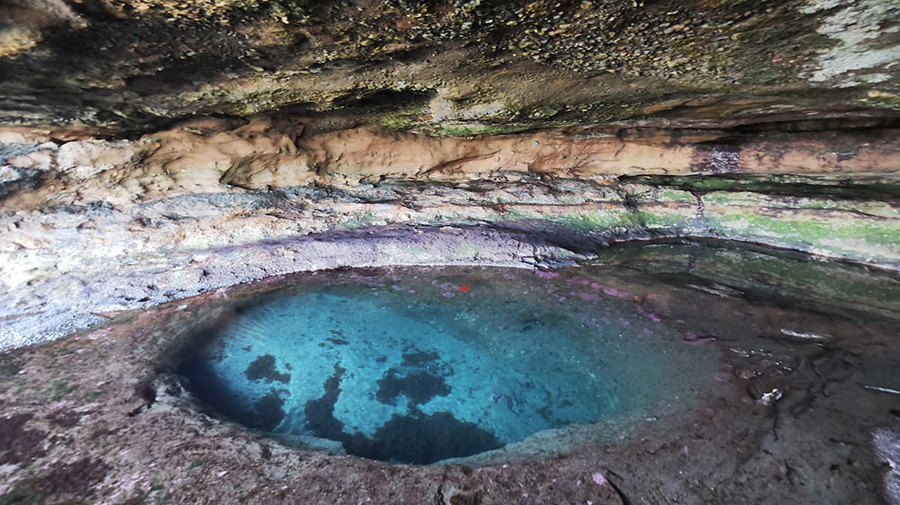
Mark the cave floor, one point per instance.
(790, 413)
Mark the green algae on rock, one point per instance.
(161, 160)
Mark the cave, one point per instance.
(449, 252)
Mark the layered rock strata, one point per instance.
(121, 224)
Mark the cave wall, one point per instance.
(151, 149)
(445, 67)
(157, 150)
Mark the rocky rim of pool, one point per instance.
(781, 390)
(728, 167)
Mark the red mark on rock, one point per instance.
(464, 288)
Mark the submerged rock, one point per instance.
(101, 407)
(734, 163)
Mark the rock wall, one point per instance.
(447, 67)
(97, 226)
(154, 150)
(150, 149)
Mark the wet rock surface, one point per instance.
(790, 414)
(158, 157)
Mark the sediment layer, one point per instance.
(122, 224)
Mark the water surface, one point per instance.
(418, 365)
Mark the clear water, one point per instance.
(423, 365)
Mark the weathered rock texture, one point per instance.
(444, 66)
(153, 150)
(141, 134)
(121, 224)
